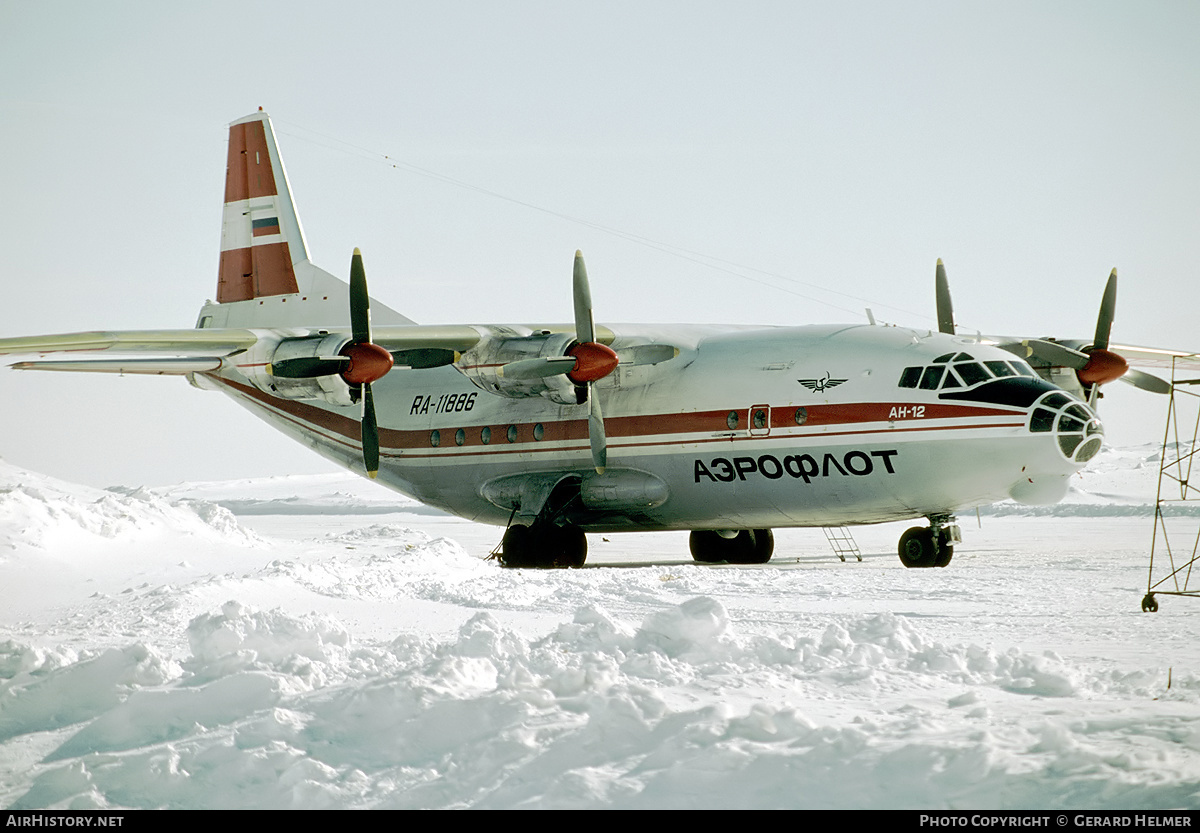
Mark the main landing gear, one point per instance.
(931, 546)
(543, 545)
(734, 546)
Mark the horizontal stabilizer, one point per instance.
(168, 342)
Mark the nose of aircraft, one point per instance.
(1075, 426)
(1077, 437)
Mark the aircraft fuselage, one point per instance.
(745, 428)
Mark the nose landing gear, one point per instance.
(931, 546)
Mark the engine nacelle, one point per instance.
(255, 365)
(482, 364)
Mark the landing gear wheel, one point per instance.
(945, 550)
(516, 549)
(543, 546)
(566, 546)
(944, 555)
(748, 546)
(917, 548)
(1149, 604)
(764, 545)
(706, 546)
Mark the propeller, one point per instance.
(585, 362)
(1095, 365)
(360, 362)
(593, 361)
(368, 362)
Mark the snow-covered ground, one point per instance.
(308, 642)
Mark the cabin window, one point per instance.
(460, 437)
(801, 416)
(512, 433)
(931, 378)
(732, 420)
(539, 432)
(435, 438)
(486, 435)
(760, 419)
(1000, 369)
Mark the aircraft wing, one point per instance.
(1155, 357)
(1158, 357)
(179, 352)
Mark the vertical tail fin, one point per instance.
(265, 278)
(261, 238)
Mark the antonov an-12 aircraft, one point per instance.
(554, 431)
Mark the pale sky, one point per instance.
(837, 148)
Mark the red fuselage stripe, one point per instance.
(406, 443)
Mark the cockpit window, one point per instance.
(910, 377)
(972, 372)
(956, 370)
(931, 378)
(1056, 400)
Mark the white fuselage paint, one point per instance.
(863, 450)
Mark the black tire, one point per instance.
(516, 550)
(705, 546)
(916, 548)
(764, 546)
(945, 553)
(569, 548)
(749, 546)
(1149, 604)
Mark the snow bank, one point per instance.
(40, 511)
(300, 494)
(272, 711)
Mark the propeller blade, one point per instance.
(1048, 352)
(585, 328)
(1146, 381)
(370, 434)
(538, 368)
(1108, 308)
(309, 367)
(945, 309)
(596, 435)
(360, 303)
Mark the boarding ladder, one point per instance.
(842, 541)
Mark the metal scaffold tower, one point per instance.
(1176, 542)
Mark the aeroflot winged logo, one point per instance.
(818, 385)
